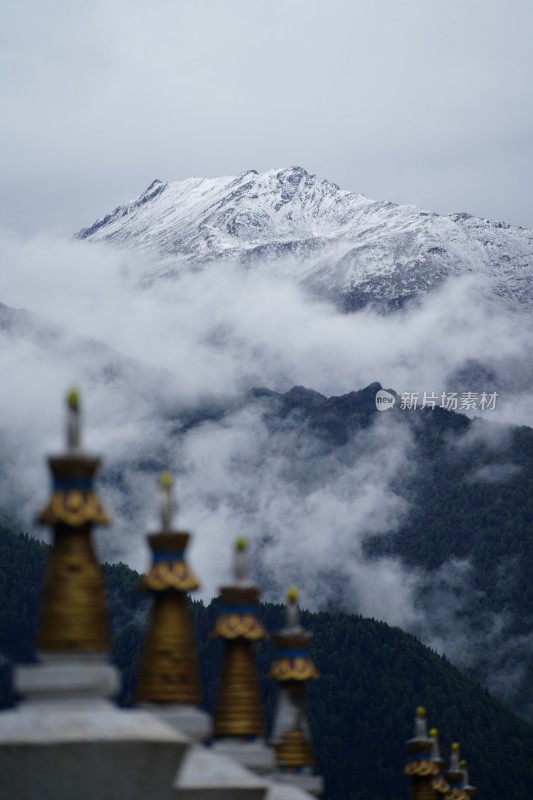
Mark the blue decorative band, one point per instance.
(237, 609)
(455, 785)
(66, 484)
(419, 756)
(282, 770)
(296, 653)
(167, 555)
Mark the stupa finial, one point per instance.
(73, 421)
(292, 614)
(241, 571)
(435, 749)
(421, 725)
(468, 789)
(168, 505)
(455, 757)
(291, 660)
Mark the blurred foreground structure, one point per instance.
(425, 767)
(67, 739)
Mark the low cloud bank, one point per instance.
(153, 363)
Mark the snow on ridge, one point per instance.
(335, 241)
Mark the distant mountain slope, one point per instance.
(371, 678)
(82, 356)
(338, 243)
(40, 360)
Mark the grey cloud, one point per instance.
(418, 103)
(496, 438)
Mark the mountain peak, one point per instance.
(156, 183)
(293, 171)
(155, 188)
(338, 244)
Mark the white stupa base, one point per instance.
(285, 791)
(188, 719)
(307, 782)
(61, 678)
(254, 755)
(206, 775)
(67, 740)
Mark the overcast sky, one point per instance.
(414, 101)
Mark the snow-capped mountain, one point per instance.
(337, 243)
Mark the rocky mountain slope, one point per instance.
(337, 243)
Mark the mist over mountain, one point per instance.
(417, 519)
(420, 518)
(338, 244)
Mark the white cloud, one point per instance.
(494, 473)
(196, 345)
(224, 330)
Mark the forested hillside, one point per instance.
(361, 709)
(467, 533)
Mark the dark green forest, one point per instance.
(361, 708)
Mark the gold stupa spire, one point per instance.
(238, 711)
(73, 616)
(440, 785)
(455, 775)
(420, 767)
(169, 664)
(292, 667)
